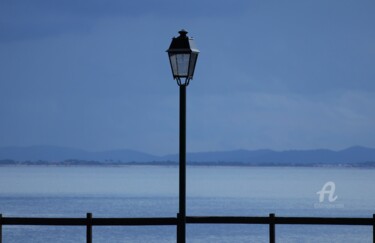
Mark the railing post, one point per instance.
(181, 229)
(1, 228)
(178, 227)
(88, 228)
(272, 228)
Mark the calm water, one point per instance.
(152, 191)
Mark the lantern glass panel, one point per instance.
(180, 64)
(193, 61)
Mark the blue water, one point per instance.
(152, 191)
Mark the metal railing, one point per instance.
(271, 220)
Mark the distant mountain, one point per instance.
(299, 157)
(223, 156)
(55, 154)
(123, 155)
(350, 155)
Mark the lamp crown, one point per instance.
(183, 33)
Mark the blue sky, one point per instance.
(271, 74)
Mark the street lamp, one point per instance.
(183, 56)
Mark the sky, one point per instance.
(279, 75)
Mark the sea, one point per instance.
(152, 191)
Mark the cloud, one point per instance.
(270, 74)
(24, 19)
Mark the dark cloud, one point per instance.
(33, 19)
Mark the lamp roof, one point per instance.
(182, 44)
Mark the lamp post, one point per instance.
(183, 56)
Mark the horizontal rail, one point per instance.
(189, 219)
(227, 220)
(324, 221)
(272, 221)
(84, 221)
(280, 220)
(44, 221)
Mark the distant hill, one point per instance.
(355, 154)
(55, 154)
(352, 155)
